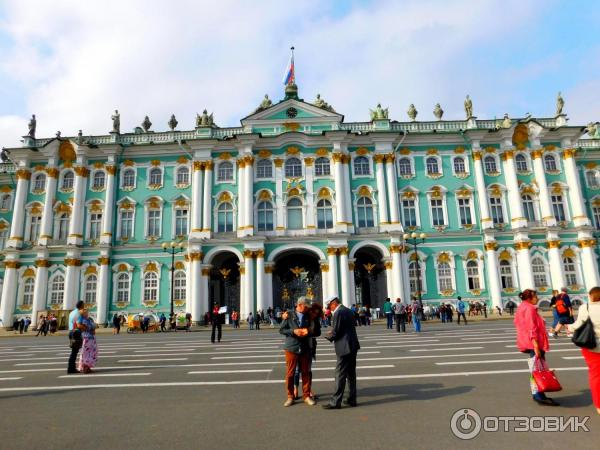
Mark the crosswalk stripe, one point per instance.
(270, 356)
(200, 372)
(487, 361)
(95, 375)
(11, 378)
(444, 349)
(151, 360)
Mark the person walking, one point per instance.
(460, 309)
(565, 311)
(42, 326)
(27, 323)
(297, 350)
(217, 323)
(75, 336)
(343, 335)
(235, 318)
(399, 315)
(188, 322)
(532, 340)
(258, 320)
(555, 295)
(89, 353)
(116, 324)
(163, 322)
(416, 315)
(250, 320)
(591, 356)
(387, 310)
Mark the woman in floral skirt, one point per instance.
(89, 352)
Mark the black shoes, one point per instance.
(330, 406)
(73, 371)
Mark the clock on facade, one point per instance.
(292, 112)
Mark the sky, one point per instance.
(73, 62)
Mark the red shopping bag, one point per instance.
(545, 379)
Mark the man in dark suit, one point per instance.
(217, 323)
(343, 335)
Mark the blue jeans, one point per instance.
(389, 320)
(554, 317)
(416, 322)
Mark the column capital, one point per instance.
(378, 158)
(555, 243)
(332, 251)
(388, 265)
(491, 246)
(343, 251)
(278, 162)
(389, 158)
(23, 174)
(308, 162)
(42, 263)
(337, 157)
(324, 267)
(111, 170)
(507, 154)
(269, 268)
(198, 165)
(206, 272)
(195, 256)
(395, 248)
(208, 165)
(346, 159)
(104, 260)
(535, 154)
(586, 243)
(81, 171)
(52, 172)
(523, 245)
(12, 264)
(569, 153)
(477, 155)
(72, 262)
(258, 253)
(249, 254)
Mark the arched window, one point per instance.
(99, 179)
(294, 214)
(129, 178)
(293, 168)
(265, 216)
(550, 163)
(322, 167)
(39, 182)
(432, 165)
(123, 283)
(68, 180)
(528, 207)
(490, 165)
(155, 176)
(591, 178)
(506, 277)
(324, 214)
(558, 207)
(150, 287)
(361, 166)
(28, 286)
(225, 171)
(459, 165)
(444, 272)
(569, 271)
(179, 286)
(183, 176)
(473, 279)
(264, 169)
(538, 269)
(404, 167)
(91, 287)
(364, 207)
(57, 290)
(415, 276)
(497, 210)
(6, 202)
(225, 218)
(521, 163)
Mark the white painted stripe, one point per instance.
(445, 349)
(11, 378)
(41, 363)
(94, 375)
(16, 359)
(488, 361)
(496, 336)
(200, 372)
(151, 360)
(553, 344)
(384, 366)
(572, 357)
(404, 342)
(269, 356)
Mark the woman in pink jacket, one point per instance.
(532, 338)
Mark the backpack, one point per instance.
(561, 308)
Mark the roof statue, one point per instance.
(146, 124)
(412, 112)
(560, 104)
(58, 134)
(438, 112)
(204, 120)
(593, 130)
(506, 122)
(320, 103)
(32, 125)
(265, 104)
(172, 122)
(468, 107)
(80, 137)
(116, 119)
(379, 113)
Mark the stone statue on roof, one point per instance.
(379, 113)
(32, 125)
(412, 112)
(438, 112)
(146, 124)
(173, 122)
(116, 120)
(560, 104)
(320, 103)
(265, 104)
(204, 120)
(506, 122)
(468, 107)
(593, 130)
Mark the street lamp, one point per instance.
(415, 239)
(172, 248)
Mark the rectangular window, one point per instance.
(34, 229)
(464, 207)
(95, 226)
(496, 210)
(181, 222)
(154, 223)
(558, 208)
(126, 224)
(409, 213)
(437, 212)
(596, 212)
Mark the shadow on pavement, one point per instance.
(584, 398)
(398, 393)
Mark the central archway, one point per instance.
(296, 273)
(370, 277)
(224, 286)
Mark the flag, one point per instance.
(290, 76)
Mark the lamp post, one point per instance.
(172, 248)
(415, 239)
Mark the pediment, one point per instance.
(292, 110)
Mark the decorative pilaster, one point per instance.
(9, 291)
(514, 197)
(248, 229)
(392, 184)
(280, 211)
(345, 277)
(76, 222)
(381, 191)
(47, 214)
(109, 205)
(310, 194)
(486, 220)
(340, 197)
(347, 193)
(241, 197)
(396, 250)
(207, 204)
(71, 296)
(103, 285)
(247, 303)
(268, 285)
(332, 279)
(580, 217)
(18, 219)
(493, 274)
(389, 279)
(524, 264)
(261, 297)
(540, 178)
(555, 261)
(40, 289)
(197, 195)
(589, 262)
(195, 287)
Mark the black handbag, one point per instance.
(585, 336)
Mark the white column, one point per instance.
(514, 196)
(279, 196)
(381, 193)
(332, 282)
(325, 280)
(555, 263)
(249, 195)
(103, 284)
(392, 185)
(540, 179)
(18, 218)
(204, 300)
(194, 265)
(261, 295)
(351, 283)
(71, 282)
(344, 277)
(579, 215)
(493, 273)
(347, 190)
(76, 222)
(389, 280)
(247, 305)
(486, 221)
(524, 264)
(396, 271)
(338, 168)
(197, 195)
(241, 195)
(47, 214)
(268, 286)
(207, 204)
(109, 206)
(40, 289)
(310, 193)
(189, 286)
(589, 263)
(9, 293)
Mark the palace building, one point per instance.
(295, 201)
